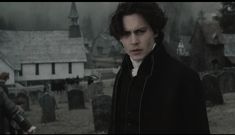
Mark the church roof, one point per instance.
(40, 47)
(212, 32)
(3, 58)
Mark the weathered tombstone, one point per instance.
(48, 106)
(76, 99)
(227, 81)
(23, 100)
(212, 90)
(101, 108)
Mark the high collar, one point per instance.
(148, 62)
(136, 64)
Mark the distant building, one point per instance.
(106, 51)
(6, 66)
(33, 56)
(183, 49)
(229, 49)
(207, 50)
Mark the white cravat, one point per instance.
(136, 64)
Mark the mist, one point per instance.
(54, 15)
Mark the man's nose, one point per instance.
(134, 39)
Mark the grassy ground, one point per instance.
(79, 121)
(221, 118)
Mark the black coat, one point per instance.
(9, 110)
(172, 99)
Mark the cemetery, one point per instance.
(86, 109)
(81, 109)
(76, 105)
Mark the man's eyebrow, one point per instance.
(140, 28)
(126, 32)
(144, 27)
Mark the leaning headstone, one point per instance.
(101, 108)
(212, 90)
(23, 100)
(226, 81)
(48, 106)
(76, 99)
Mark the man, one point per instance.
(153, 93)
(9, 111)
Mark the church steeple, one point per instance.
(73, 15)
(74, 29)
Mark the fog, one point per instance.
(54, 15)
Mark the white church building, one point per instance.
(43, 55)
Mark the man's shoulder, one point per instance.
(178, 67)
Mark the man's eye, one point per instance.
(138, 32)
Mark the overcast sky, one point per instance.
(23, 14)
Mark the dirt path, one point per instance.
(222, 117)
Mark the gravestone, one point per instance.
(23, 100)
(101, 109)
(227, 81)
(48, 106)
(212, 90)
(76, 99)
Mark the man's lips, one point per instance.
(136, 51)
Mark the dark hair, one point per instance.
(150, 11)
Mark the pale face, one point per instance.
(138, 39)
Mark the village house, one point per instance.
(183, 48)
(207, 49)
(211, 52)
(229, 49)
(6, 66)
(106, 51)
(31, 57)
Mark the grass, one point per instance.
(222, 117)
(80, 121)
